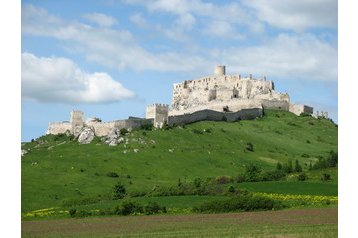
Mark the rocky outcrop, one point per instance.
(113, 138)
(86, 136)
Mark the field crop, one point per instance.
(287, 223)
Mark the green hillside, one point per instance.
(57, 169)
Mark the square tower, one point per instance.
(159, 114)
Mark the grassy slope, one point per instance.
(70, 170)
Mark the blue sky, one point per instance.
(111, 58)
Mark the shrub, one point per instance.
(147, 127)
(250, 147)
(231, 189)
(288, 167)
(197, 131)
(137, 194)
(273, 175)
(298, 167)
(83, 213)
(240, 178)
(72, 212)
(223, 179)
(123, 131)
(197, 182)
(128, 208)
(325, 177)
(112, 174)
(241, 203)
(154, 208)
(305, 114)
(302, 177)
(252, 173)
(118, 191)
(279, 166)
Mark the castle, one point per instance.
(216, 97)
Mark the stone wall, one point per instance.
(210, 115)
(59, 128)
(275, 104)
(298, 109)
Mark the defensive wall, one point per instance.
(210, 115)
(99, 128)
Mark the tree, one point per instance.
(298, 167)
(118, 192)
(279, 166)
(288, 167)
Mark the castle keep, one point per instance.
(216, 97)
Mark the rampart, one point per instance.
(59, 128)
(210, 115)
(99, 128)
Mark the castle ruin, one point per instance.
(215, 97)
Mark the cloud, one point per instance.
(286, 56)
(227, 16)
(106, 46)
(61, 80)
(223, 30)
(296, 15)
(100, 19)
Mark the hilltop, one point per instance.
(57, 168)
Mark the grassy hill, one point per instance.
(57, 168)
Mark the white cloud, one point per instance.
(228, 15)
(297, 15)
(287, 55)
(61, 80)
(290, 56)
(223, 30)
(100, 19)
(106, 46)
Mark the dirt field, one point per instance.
(286, 223)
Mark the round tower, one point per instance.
(219, 70)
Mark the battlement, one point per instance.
(158, 105)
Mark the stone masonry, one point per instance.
(214, 97)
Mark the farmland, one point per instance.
(287, 223)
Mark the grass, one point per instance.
(57, 168)
(287, 187)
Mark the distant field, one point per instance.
(288, 223)
(57, 169)
(286, 187)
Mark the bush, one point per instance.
(154, 208)
(223, 180)
(241, 203)
(298, 167)
(250, 147)
(288, 167)
(197, 131)
(325, 177)
(252, 173)
(128, 208)
(147, 127)
(279, 166)
(231, 189)
(273, 175)
(302, 177)
(112, 174)
(123, 131)
(72, 212)
(118, 191)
